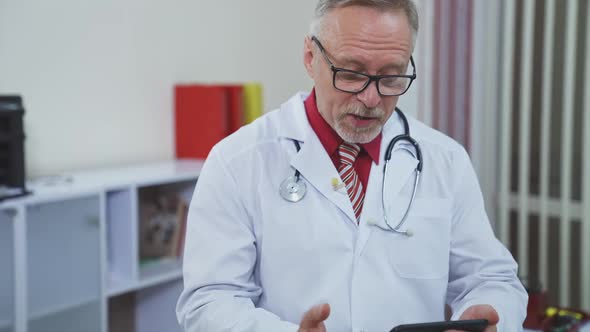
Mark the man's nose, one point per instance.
(370, 96)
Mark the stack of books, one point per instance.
(205, 114)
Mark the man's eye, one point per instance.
(347, 76)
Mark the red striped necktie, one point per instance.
(348, 153)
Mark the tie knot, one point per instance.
(348, 152)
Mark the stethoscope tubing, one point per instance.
(298, 147)
(399, 138)
(293, 182)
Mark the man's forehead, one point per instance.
(367, 25)
(364, 17)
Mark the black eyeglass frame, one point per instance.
(370, 78)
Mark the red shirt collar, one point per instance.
(328, 136)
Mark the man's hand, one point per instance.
(482, 311)
(313, 319)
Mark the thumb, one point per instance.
(315, 316)
(482, 311)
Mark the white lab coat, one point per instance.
(255, 262)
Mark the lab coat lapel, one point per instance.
(312, 161)
(317, 168)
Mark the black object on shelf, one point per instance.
(12, 154)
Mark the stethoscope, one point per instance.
(293, 190)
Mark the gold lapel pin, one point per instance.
(336, 184)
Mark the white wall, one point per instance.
(97, 76)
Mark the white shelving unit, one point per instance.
(72, 252)
(7, 271)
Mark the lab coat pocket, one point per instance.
(424, 254)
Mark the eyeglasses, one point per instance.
(355, 82)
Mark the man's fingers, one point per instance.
(315, 316)
(482, 311)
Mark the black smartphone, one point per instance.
(471, 325)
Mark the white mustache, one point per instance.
(359, 110)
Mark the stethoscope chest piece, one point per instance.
(292, 190)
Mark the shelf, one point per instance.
(83, 317)
(6, 325)
(151, 274)
(81, 247)
(61, 187)
(62, 255)
(118, 285)
(58, 309)
(163, 270)
(120, 254)
(7, 285)
(161, 278)
(149, 315)
(143, 310)
(122, 313)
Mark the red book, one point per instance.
(235, 103)
(201, 119)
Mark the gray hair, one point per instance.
(407, 6)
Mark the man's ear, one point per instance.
(308, 56)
